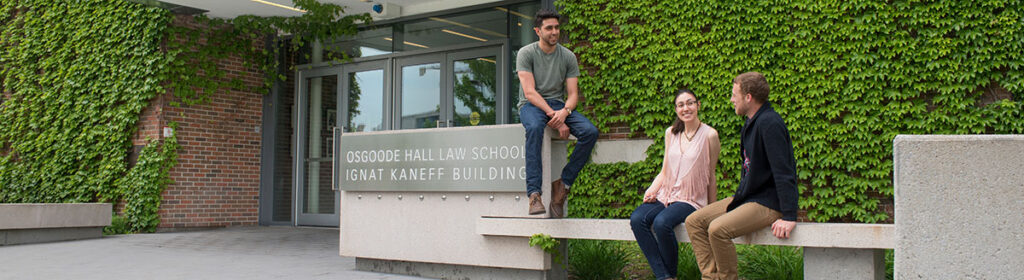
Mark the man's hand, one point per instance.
(781, 228)
(558, 118)
(563, 131)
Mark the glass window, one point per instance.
(421, 95)
(475, 91)
(321, 118)
(520, 34)
(365, 101)
(369, 42)
(433, 32)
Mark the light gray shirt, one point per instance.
(549, 70)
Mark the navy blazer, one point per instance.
(769, 168)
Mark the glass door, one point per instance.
(472, 87)
(457, 88)
(418, 90)
(317, 104)
(365, 104)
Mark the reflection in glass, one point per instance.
(513, 92)
(368, 42)
(365, 101)
(520, 34)
(318, 197)
(474, 91)
(421, 95)
(472, 27)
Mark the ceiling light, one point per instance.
(464, 35)
(279, 5)
(408, 43)
(485, 31)
(514, 13)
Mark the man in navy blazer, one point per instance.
(767, 194)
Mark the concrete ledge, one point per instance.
(450, 271)
(40, 235)
(822, 235)
(57, 215)
(34, 223)
(609, 151)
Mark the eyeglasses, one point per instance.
(689, 104)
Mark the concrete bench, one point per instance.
(831, 251)
(45, 222)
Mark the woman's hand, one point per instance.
(651, 195)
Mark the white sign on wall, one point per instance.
(447, 159)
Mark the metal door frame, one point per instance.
(398, 64)
(301, 149)
(382, 64)
(448, 89)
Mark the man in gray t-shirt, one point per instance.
(548, 76)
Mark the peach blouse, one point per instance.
(688, 172)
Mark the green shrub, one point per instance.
(596, 259)
(688, 269)
(888, 264)
(770, 262)
(117, 226)
(549, 245)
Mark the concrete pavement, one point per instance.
(230, 253)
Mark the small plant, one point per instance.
(889, 258)
(548, 244)
(688, 269)
(117, 226)
(770, 262)
(596, 259)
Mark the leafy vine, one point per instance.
(847, 76)
(76, 75)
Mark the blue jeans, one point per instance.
(534, 120)
(660, 246)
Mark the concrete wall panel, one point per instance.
(959, 206)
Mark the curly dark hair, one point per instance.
(538, 19)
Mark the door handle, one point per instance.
(448, 123)
(335, 163)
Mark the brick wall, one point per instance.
(619, 131)
(216, 181)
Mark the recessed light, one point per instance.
(279, 5)
(464, 35)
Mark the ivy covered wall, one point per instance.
(847, 76)
(77, 74)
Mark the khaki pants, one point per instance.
(712, 229)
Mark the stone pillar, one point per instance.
(959, 205)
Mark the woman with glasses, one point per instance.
(686, 183)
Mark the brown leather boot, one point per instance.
(558, 196)
(536, 205)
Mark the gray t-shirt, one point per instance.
(549, 70)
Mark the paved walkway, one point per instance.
(231, 253)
